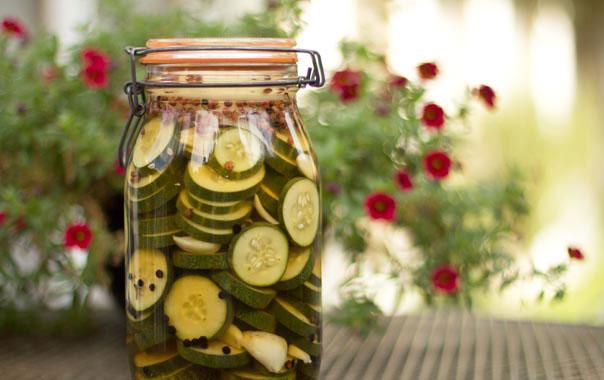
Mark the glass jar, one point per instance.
(223, 213)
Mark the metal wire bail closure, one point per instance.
(135, 90)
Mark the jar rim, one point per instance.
(220, 56)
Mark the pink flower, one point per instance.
(427, 70)
(445, 279)
(96, 65)
(398, 81)
(575, 253)
(487, 95)
(14, 28)
(403, 180)
(380, 205)
(433, 116)
(437, 164)
(346, 84)
(77, 235)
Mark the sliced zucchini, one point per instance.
(282, 164)
(204, 183)
(191, 245)
(196, 308)
(292, 318)
(157, 225)
(307, 166)
(268, 199)
(299, 268)
(199, 232)
(141, 187)
(213, 207)
(249, 374)
(309, 371)
(268, 349)
(156, 145)
(212, 220)
(232, 336)
(257, 298)
(309, 344)
(158, 363)
(264, 214)
(256, 319)
(312, 311)
(160, 240)
(258, 254)
(311, 293)
(296, 352)
(155, 200)
(201, 261)
(274, 181)
(315, 277)
(156, 337)
(290, 143)
(299, 211)
(148, 276)
(138, 321)
(237, 154)
(187, 372)
(216, 355)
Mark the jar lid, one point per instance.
(220, 56)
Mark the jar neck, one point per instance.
(235, 75)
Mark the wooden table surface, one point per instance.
(424, 347)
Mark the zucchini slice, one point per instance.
(138, 321)
(187, 372)
(256, 319)
(258, 254)
(315, 277)
(292, 318)
(309, 344)
(311, 293)
(154, 201)
(248, 374)
(204, 183)
(152, 338)
(191, 245)
(141, 187)
(307, 166)
(274, 181)
(282, 164)
(211, 206)
(158, 225)
(216, 355)
(309, 371)
(159, 240)
(299, 211)
(269, 200)
(196, 309)
(158, 363)
(257, 298)
(199, 232)
(299, 268)
(237, 154)
(268, 349)
(149, 273)
(156, 145)
(212, 220)
(264, 214)
(200, 261)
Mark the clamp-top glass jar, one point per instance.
(223, 212)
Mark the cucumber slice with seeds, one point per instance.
(201, 261)
(264, 214)
(204, 183)
(191, 245)
(258, 254)
(216, 355)
(238, 153)
(149, 273)
(256, 319)
(292, 318)
(299, 268)
(155, 145)
(199, 232)
(257, 298)
(158, 363)
(196, 309)
(299, 211)
(211, 220)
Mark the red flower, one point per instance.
(403, 180)
(433, 116)
(346, 84)
(445, 279)
(398, 81)
(427, 70)
(487, 95)
(77, 235)
(2, 217)
(437, 163)
(380, 206)
(96, 64)
(13, 27)
(117, 167)
(575, 253)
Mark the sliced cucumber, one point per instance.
(257, 298)
(282, 164)
(213, 207)
(299, 268)
(138, 321)
(309, 344)
(311, 293)
(201, 261)
(199, 232)
(299, 211)
(256, 319)
(187, 372)
(156, 145)
(158, 363)
(269, 200)
(290, 144)
(315, 277)
(216, 355)
(204, 183)
(152, 338)
(292, 318)
(212, 220)
(238, 153)
(148, 276)
(311, 311)
(160, 240)
(141, 187)
(154, 201)
(307, 166)
(268, 349)
(191, 245)
(248, 374)
(196, 309)
(258, 254)
(274, 181)
(157, 225)
(263, 212)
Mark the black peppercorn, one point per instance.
(203, 342)
(226, 350)
(140, 282)
(222, 294)
(159, 273)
